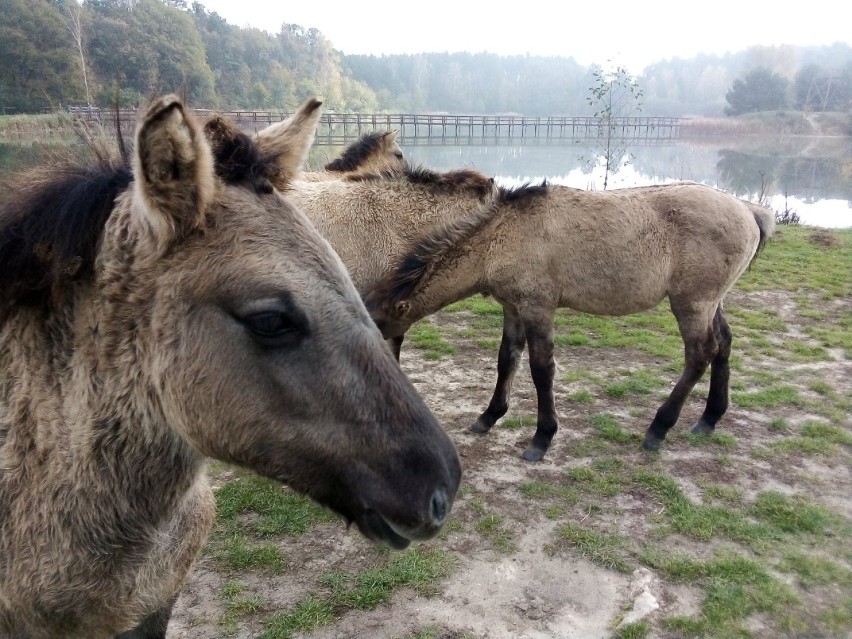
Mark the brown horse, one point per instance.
(157, 314)
(370, 221)
(373, 153)
(539, 248)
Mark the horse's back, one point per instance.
(622, 251)
(717, 236)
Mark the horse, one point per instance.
(540, 247)
(163, 310)
(373, 153)
(370, 220)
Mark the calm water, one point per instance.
(814, 175)
(811, 176)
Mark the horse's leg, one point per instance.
(153, 626)
(395, 344)
(511, 349)
(700, 347)
(717, 398)
(539, 332)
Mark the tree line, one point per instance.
(102, 52)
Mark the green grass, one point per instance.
(491, 527)
(417, 568)
(802, 446)
(581, 375)
(518, 422)
(604, 550)
(735, 587)
(827, 433)
(476, 304)
(275, 510)
(771, 397)
(580, 397)
(653, 332)
(429, 338)
(720, 492)
(793, 263)
(311, 613)
(596, 481)
(541, 490)
(637, 630)
(724, 440)
(828, 336)
(607, 427)
(816, 571)
(643, 381)
(236, 552)
(702, 521)
(250, 509)
(237, 605)
(792, 514)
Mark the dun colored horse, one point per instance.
(371, 154)
(370, 221)
(156, 314)
(539, 248)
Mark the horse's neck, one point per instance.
(70, 415)
(458, 274)
(430, 212)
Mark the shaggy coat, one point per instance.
(156, 315)
(370, 221)
(540, 248)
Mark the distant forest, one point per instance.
(59, 52)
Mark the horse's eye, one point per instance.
(273, 328)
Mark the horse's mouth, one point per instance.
(376, 528)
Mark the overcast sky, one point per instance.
(631, 33)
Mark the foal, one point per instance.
(539, 248)
(155, 315)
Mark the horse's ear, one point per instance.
(391, 135)
(173, 171)
(287, 143)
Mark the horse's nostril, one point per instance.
(440, 507)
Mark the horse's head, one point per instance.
(375, 153)
(252, 341)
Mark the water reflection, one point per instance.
(813, 179)
(811, 176)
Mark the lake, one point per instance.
(809, 176)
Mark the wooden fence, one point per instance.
(450, 129)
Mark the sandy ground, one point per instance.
(536, 591)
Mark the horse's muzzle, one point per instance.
(374, 526)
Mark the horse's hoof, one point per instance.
(478, 427)
(702, 428)
(652, 443)
(533, 454)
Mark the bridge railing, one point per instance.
(426, 128)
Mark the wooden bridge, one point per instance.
(446, 129)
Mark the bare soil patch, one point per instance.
(539, 588)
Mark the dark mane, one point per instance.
(453, 181)
(416, 265)
(356, 153)
(52, 217)
(50, 225)
(238, 160)
(520, 195)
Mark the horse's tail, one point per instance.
(765, 219)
